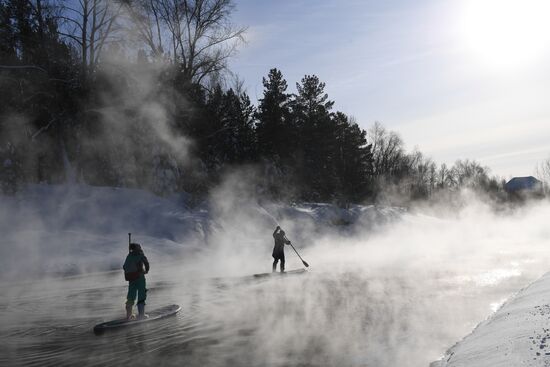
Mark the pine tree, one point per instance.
(317, 139)
(238, 128)
(274, 129)
(354, 159)
(228, 134)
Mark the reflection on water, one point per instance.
(346, 316)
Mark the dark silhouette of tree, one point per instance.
(275, 128)
(388, 151)
(226, 135)
(354, 159)
(238, 122)
(316, 140)
(37, 84)
(82, 99)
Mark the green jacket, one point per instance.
(135, 265)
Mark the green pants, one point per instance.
(136, 288)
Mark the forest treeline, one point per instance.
(137, 93)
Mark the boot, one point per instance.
(141, 311)
(129, 315)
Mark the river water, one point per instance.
(343, 315)
(399, 297)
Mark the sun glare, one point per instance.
(507, 34)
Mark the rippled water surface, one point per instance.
(336, 316)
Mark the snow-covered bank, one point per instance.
(71, 229)
(518, 334)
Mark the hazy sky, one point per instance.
(456, 78)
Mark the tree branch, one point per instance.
(16, 67)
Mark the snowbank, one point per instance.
(518, 334)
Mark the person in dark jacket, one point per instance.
(135, 267)
(278, 249)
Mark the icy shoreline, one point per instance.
(518, 334)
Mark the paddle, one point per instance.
(303, 262)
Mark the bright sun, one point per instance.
(507, 34)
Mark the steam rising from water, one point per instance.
(393, 294)
(395, 288)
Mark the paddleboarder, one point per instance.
(278, 249)
(135, 267)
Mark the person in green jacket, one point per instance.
(135, 267)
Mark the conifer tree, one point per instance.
(274, 128)
(228, 135)
(238, 125)
(354, 159)
(311, 110)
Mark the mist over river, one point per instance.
(401, 146)
(397, 298)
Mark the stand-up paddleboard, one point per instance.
(159, 313)
(290, 272)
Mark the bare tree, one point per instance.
(432, 176)
(387, 149)
(422, 171)
(90, 24)
(542, 172)
(198, 34)
(145, 24)
(445, 177)
(470, 174)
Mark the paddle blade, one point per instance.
(305, 264)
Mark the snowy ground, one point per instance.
(518, 334)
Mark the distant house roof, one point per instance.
(523, 183)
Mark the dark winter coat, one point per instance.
(280, 242)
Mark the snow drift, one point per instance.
(518, 334)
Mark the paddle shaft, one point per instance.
(306, 264)
(296, 252)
